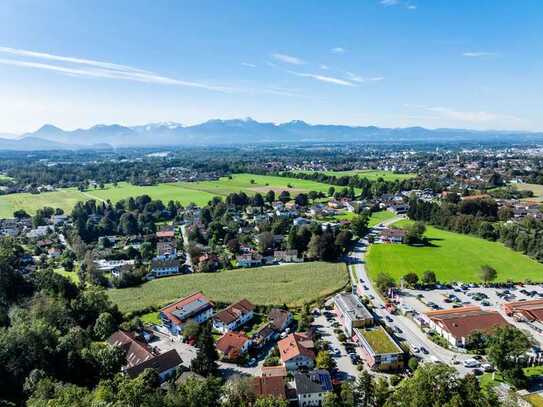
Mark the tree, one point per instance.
(313, 195)
(505, 346)
(331, 400)
(284, 196)
(324, 360)
(384, 281)
(269, 401)
(359, 224)
(415, 233)
(104, 326)
(364, 390)
(195, 393)
(429, 278)
(331, 191)
(205, 362)
(343, 240)
(258, 200)
(413, 363)
(265, 241)
(270, 196)
(20, 214)
(191, 329)
(411, 279)
(301, 199)
(487, 273)
(239, 392)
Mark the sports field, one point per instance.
(453, 257)
(286, 284)
(185, 192)
(370, 174)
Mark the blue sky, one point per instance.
(395, 63)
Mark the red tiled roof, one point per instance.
(295, 344)
(270, 371)
(531, 310)
(234, 311)
(270, 386)
(165, 233)
(462, 322)
(136, 351)
(231, 342)
(198, 296)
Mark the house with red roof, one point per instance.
(297, 351)
(233, 316)
(195, 307)
(232, 345)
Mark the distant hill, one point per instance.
(243, 131)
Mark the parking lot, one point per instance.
(446, 297)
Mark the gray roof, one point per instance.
(350, 305)
(317, 381)
(191, 309)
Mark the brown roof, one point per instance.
(462, 322)
(531, 310)
(136, 350)
(277, 317)
(165, 234)
(394, 233)
(234, 311)
(231, 343)
(268, 371)
(270, 386)
(161, 363)
(183, 303)
(295, 344)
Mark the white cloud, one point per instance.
(337, 50)
(356, 78)
(248, 65)
(406, 4)
(323, 78)
(79, 67)
(288, 59)
(480, 54)
(324, 67)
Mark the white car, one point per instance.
(471, 363)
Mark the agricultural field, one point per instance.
(453, 257)
(285, 284)
(199, 193)
(370, 174)
(535, 188)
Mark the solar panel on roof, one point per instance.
(325, 381)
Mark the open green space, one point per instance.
(489, 380)
(535, 188)
(379, 341)
(369, 174)
(293, 285)
(71, 275)
(453, 257)
(379, 217)
(199, 193)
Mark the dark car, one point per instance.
(424, 350)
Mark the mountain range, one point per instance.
(244, 131)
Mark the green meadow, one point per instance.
(292, 284)
(370, 174)
(199, 193)
(453, 257)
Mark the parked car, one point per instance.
(388, 318)
(471, 363)
(424, 350)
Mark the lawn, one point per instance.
(150, 319)
(199, 193)
(71, 275)
(453, 257)
(286, 284)
(379, 217)
(370, 174)
(535, 188)
(379, 341)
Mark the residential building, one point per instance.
(456, 325)
(351, 312)
(287, 256)
(271, 371)
(263, 335)
(393, 236)
(297, 351)
(270, 386)
(379, 350)
(398, 208)
(140, 356)
(195, 307)
(279, 318)
(249, 260)
(164, 266)
(232, 345)
(312, 387)
(233, 316)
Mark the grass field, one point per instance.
(71, 275)
(378, 217)
(370, 174)
(535, 188)
(290, 284)
(199, 193)
(453, 257)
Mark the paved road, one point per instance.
(410, 330)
